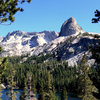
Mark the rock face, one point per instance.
(69, 48)
(70, 44)
(19, 42)
(70, 27)
(1, 38)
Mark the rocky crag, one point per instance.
(69, 44)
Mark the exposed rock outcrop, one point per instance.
(19, 42)
(69, 42)
(1, 38)
(70, 27)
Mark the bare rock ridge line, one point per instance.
(19, 42)
(72, 42)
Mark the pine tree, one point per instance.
(50, 93)
(8, 8)
(64, 93)
(96, 55)
(46, 90)
(3, 64)
(97, 17)
(29, 78)
(40, 86)
(24, 93)
(89, 89)
(27, 93)
(85, 85)
(34, 85)
(11, 84)
(41, 93)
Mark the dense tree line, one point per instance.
(51, 77)
(96, 71)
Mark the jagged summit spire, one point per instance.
(70, 27)
(71, 19)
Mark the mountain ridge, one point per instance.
(19, 42)
(70, 44)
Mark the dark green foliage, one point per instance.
(24, 93)
(0, 49)
(29, 85)
(40, 59)
(96, 52)
(40, 85)
(8, 8)
(41, 93)
(3, 64)
(64, 75)
(11, 84)
(60, 74)
(48, 76)
(95, 36)
(63, 93)
(85, 85)
(34, 83)
(95, 76)
(97, 17)
(96, 72)
(49, 92)
(45, 89)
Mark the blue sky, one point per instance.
(49, 15)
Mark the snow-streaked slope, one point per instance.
(71, 48)
(71, 43)
(47, 47)
(19, 42)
